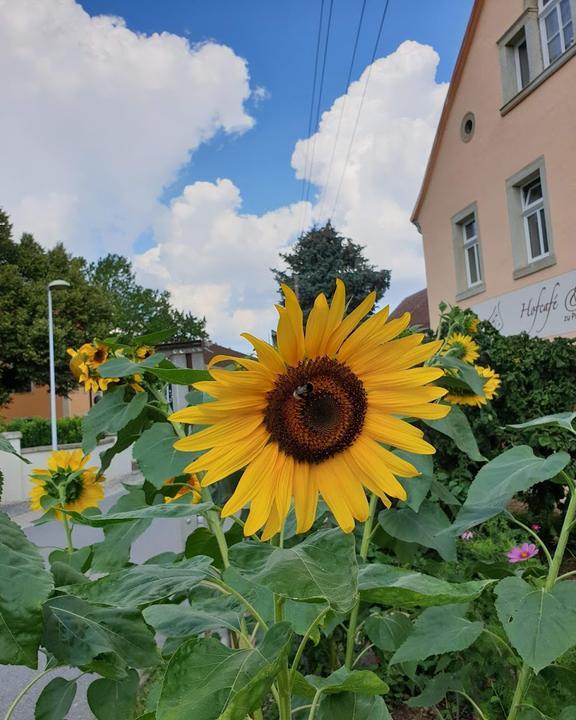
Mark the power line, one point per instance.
(311, 115)
(342, 107)
(353, 136)
(308, 182)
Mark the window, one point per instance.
(530, 223)
(467, 253)
(471, 251)
(522, 63)
(556, 28)
(534, 219)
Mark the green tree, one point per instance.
(139, 310)
(81, 312)
(321, 255)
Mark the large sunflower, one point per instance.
(81, 491)
(467, 397)
(313, 415)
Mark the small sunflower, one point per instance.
(190, 485)
(473, 323)
(461, 346)
(312, 416)
(144, 351)
(82, 491)
(491, 385)
(85, 363)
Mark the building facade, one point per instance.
(497, 207)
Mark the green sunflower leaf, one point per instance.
(206, 680)
(55, 700)
(6, 446)
(396, 587)
(114, 552)
(76, 632)
(456, 426)
(541, 625)
(350, 706)
(388, 631)
(563, 420)
(182, 621)
(156, 456)
(513, 471)
(110, 699)
(25, 585)
(363, 682)
(435, 690)
(421, 527)
(110, 415)
(181, 508)
(320, 568)
(438, 630)
(120, 367)
(142, 585)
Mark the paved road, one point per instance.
(161, 536)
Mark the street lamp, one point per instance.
(52, 286)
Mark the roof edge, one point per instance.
(452, 88)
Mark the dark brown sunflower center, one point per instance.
(316, 409)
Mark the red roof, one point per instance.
(417, 305)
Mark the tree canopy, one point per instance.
(103, 299)
(80, 311)
(319, 257)
(139, 310)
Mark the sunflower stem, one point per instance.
(364, 547)
(313, 625)
(216, 528)
(65, 520)
(284, 704)
(24, 690)
(526, 672)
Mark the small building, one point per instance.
(417, 305)
(497, 207)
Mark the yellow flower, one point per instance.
(85, 363)
(465, 348)
(311, 416)
(144, 351)
(491, 385)
(473, 323)
(80, 492)
(191, 485)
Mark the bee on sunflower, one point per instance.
(317, 414)
(85, 363)
(67, 480)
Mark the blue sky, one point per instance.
(173, 135)
(278, 39)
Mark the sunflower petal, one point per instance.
(349, 323)
(305, 497)
(256, 474)
(315, 326)
(267, 355)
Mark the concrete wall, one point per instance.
(16, 473)
(506, 140)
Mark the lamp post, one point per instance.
(51, 286)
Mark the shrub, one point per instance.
(36, 431)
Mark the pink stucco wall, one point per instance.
(543, 124)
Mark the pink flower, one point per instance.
(524, 552)
(468, 535)
(536, 527)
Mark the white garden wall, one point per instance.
(16, 472)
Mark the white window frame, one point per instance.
(537, 208)
(471, 243)
(545, 8)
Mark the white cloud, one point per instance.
(97, 120)
(216, 261)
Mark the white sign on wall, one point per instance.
(544, 309)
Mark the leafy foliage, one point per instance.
(36, 430)
(321, 255)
